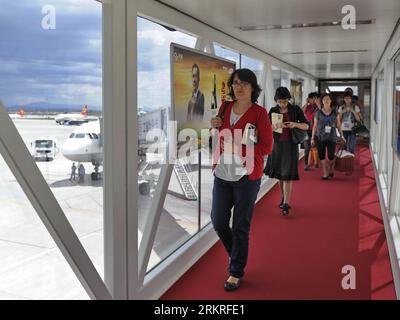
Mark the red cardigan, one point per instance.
(257, 116)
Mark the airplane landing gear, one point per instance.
(96, 175)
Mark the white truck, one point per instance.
(44, 148)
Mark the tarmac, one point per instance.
(32, 267)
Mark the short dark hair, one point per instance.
(325, 95)
(348, 94)
(248, 76)
(198, 69)
(282, 93)
(312, 95)
(348, 89)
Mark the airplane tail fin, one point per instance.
(21, 112)
(85, 111)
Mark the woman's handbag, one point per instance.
(313, 158)
(359, 127)
(344, 161)
(299, 136)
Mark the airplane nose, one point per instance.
(68, 148)
(73, 147)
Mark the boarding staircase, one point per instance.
(184, 180)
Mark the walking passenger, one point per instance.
(283, 162)
(349, 115)
(310, 109)
(324, 135)
(318, 101)
(237, 182)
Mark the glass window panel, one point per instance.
(257, 67)
(179, 216)
(379, 96)
(276, 77)
(31, 265)
(254, 65)
(285, 79)
(396, 111)
(226, 53)
(51, 68)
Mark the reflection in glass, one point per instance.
(179, 216)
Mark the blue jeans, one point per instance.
(241, 195)
(350, 137)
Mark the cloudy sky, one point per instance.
(55, 66)
(64, 66)
(154, 41)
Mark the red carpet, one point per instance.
(331, 224)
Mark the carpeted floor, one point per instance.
(332, 224)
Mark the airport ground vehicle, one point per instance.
(44, 148)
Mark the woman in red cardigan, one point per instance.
(244, 138)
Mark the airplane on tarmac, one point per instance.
(74, 118)
(85, 144)
(20, 114)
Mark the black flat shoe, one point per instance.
(281, 204)
(285, 209)
(230, 286)
(325, 178)
(331, 175)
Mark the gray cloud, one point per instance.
(32, 60)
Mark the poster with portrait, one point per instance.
(199, 87)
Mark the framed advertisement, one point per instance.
(199, 87)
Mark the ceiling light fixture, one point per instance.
(300, 25)
(328, 51)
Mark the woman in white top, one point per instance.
(349, 115)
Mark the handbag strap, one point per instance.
(295, 117)
(340, 151)
(222, 113)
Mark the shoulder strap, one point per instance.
(222, 113)
(295, 112)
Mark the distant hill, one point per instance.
(45, 107)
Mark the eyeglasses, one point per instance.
(242, 84)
